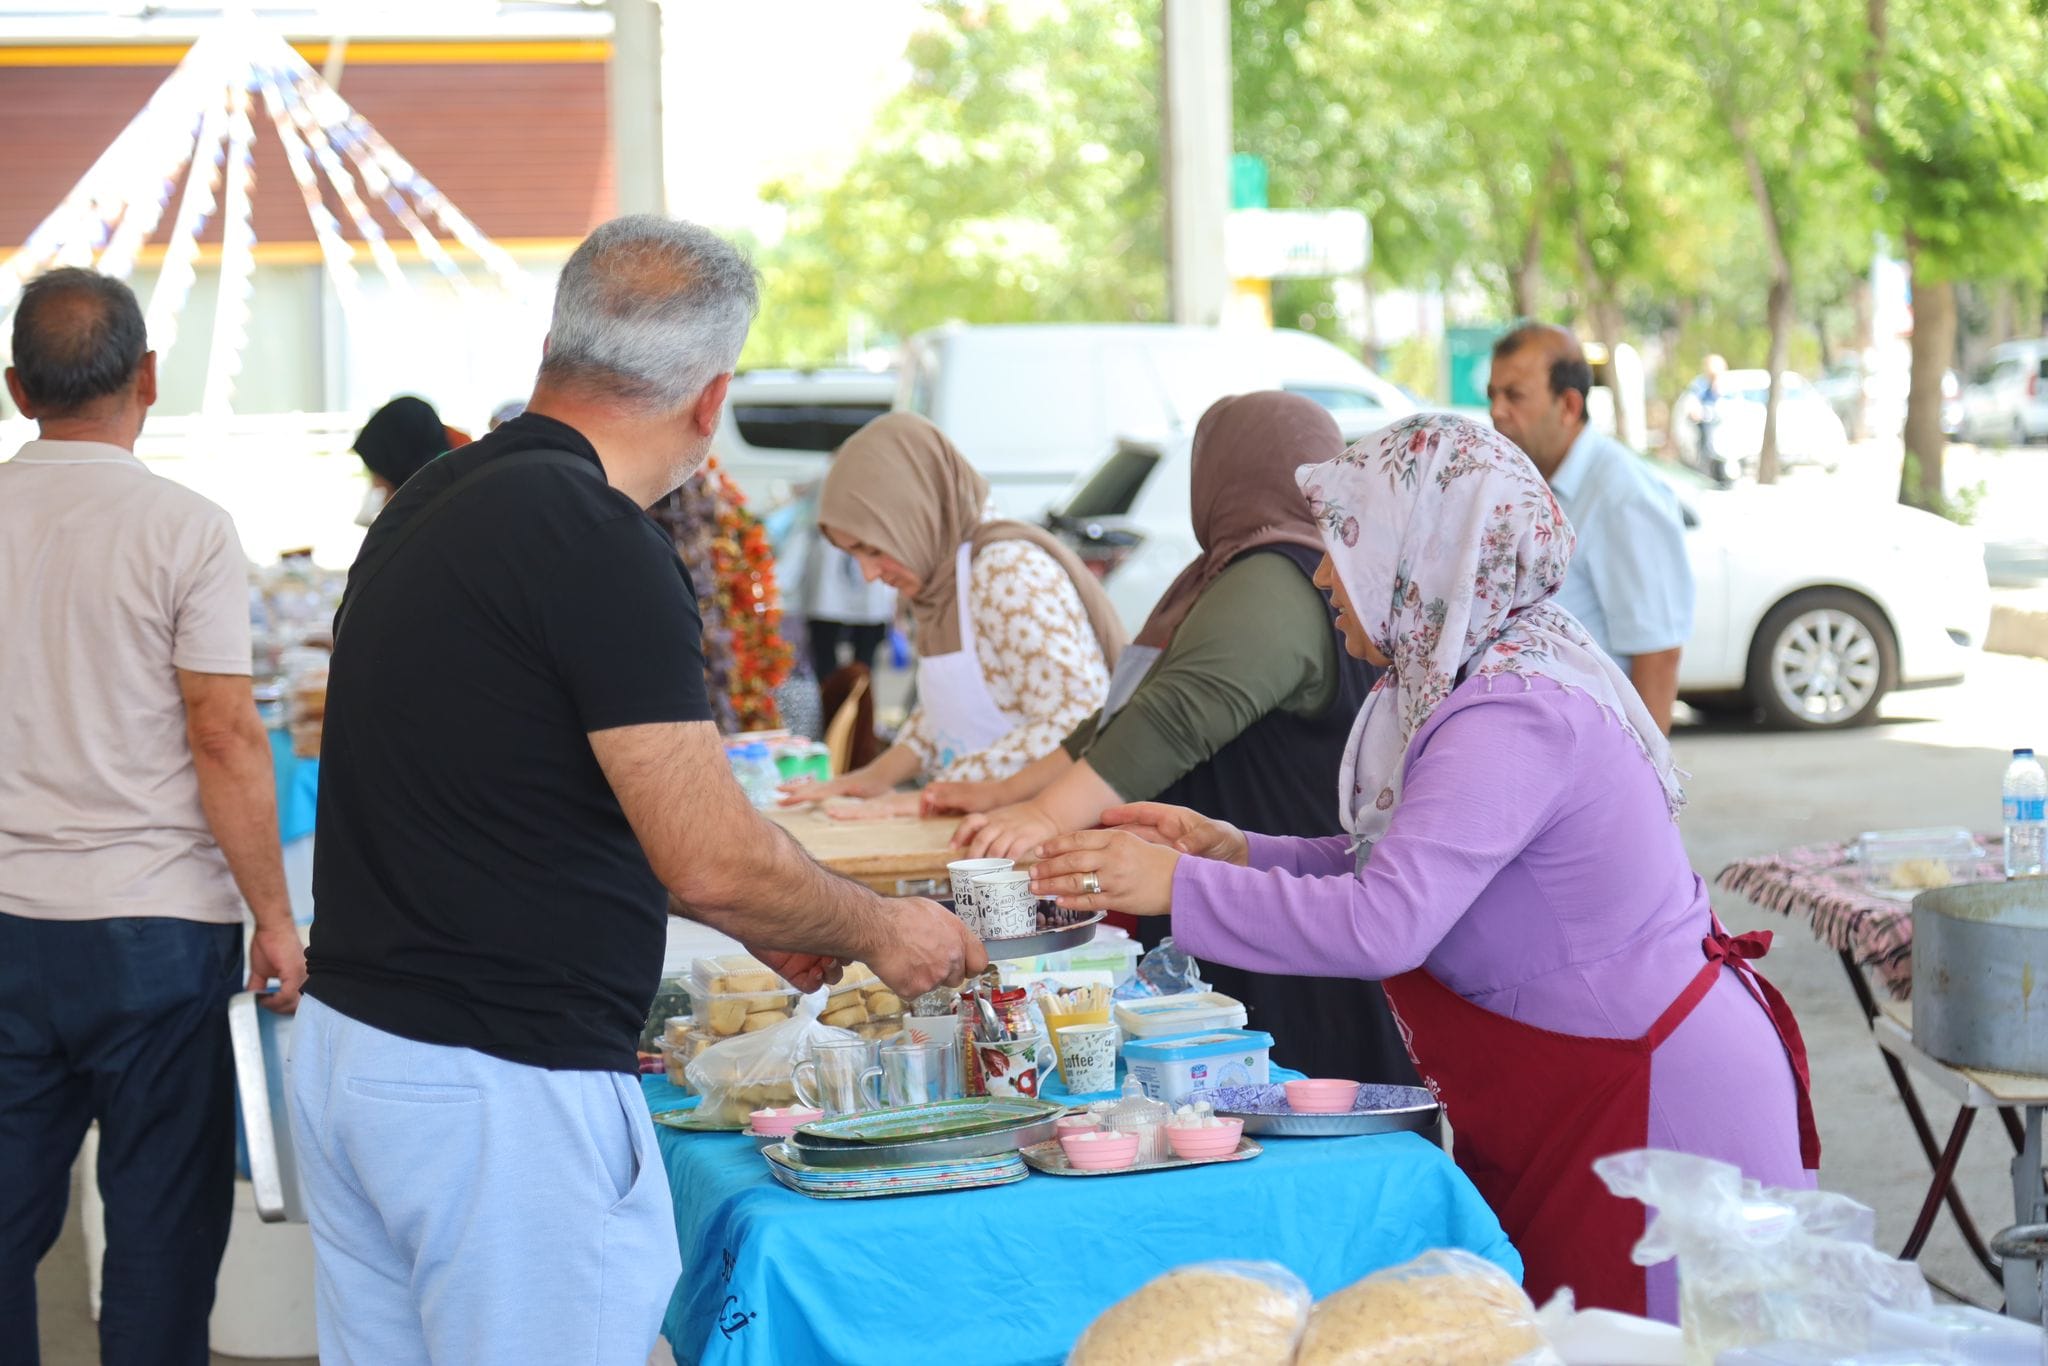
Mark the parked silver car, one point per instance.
(1809, 433)
(2006, 401)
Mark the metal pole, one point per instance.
(635, 87)
(1196, 134)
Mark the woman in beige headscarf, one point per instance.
(1015, 637)
(1236, 698)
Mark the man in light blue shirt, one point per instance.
(1630, 581)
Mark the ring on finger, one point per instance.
(1091, 884)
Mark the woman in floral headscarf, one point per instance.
(1513, 870)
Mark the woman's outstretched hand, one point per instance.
(1178, 828)
(1107, 870)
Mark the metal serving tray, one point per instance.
(1051, 1159)
(1058, 930)
(829, 1184)
(1021, 1132)
(938, 1119)
(1378, 1110)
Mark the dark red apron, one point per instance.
(1530, 1110)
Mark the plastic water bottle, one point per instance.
(758, 776)
(2026, 815)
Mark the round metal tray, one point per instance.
(1057, 932)
(1379, 1110)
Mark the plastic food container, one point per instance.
(863, 1003)
(738, 994)
(677, 1055)
(745, 1012)
(1164, 1017)
(1174, 1069)
(1917, 860)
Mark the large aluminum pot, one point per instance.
(1980, 975)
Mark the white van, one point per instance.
(780, 427)
(1035, 405)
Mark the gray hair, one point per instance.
(650, 310)
(78, 336)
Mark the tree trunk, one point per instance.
(2004, 312)
(1779, 305)
(1865, 341)
(1779, 308)
(1526, 277)
(1934, 345)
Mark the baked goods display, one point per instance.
(1213, 1314)
(1443, 1309)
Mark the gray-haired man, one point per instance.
(519, 778)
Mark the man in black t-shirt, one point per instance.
(520, 780)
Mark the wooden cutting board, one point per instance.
(877, 853)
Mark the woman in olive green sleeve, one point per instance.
(1237, 699)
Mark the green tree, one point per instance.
(1014, 177)
(1952, 105)
(1770, 76)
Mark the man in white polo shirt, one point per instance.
(1630, 581)
(137, 816)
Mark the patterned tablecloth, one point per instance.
(1873, 924)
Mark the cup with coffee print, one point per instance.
(1088, 1058)
(1004, 905)
(963, 872)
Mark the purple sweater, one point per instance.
(1533, 869)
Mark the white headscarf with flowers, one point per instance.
(1451, 548)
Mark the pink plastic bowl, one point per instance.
(1196, 1144)
(1074, 1124)
(1321, 1096)
(781, 1124)
(1106, 1153)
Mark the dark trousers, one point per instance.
(123, 1021)
(825, 637)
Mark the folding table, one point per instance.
(1872, 933)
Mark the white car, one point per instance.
(1033, 406)
(1809, 432)
(2007, 398)
(1807, 610)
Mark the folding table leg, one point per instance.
(2029, 1206)
(1942, 1189)
(1944, 1179)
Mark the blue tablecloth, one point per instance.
(1011, 1275)
(298, 788)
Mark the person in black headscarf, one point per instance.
(398, 439)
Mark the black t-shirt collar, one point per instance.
(536, 431)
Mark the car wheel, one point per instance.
(1822, 660)
(2018, 437)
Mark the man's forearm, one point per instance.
(1656, 680)
(238, 795)
(775, 896)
